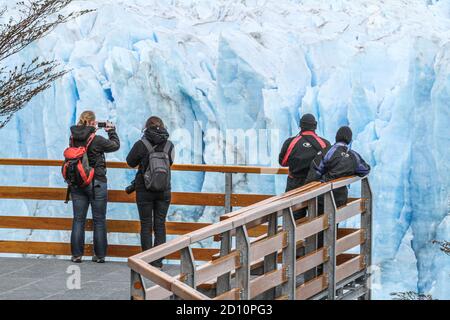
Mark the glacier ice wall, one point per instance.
(209, 66)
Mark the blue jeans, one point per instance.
(96, 195)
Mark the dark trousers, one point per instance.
(95, 195)
(294, 183)
(340, 196)
(153, 208)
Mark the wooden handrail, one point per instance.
(280, 243)
(244, 217)
(256, 218)
(113, 226)
(175, 167)
(119, 196)
(114, 250)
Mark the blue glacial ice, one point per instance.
(210, 66)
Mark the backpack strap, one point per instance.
(167, 147)
(294, 142)
(90, 140)
(148, 145)
(88, 143)
(322, 143)
(289, 150)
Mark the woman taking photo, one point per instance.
(96, 192)
(154, 154)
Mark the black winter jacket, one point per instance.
(340, 161)
(97, 149)
(138, 155)
(303, 153)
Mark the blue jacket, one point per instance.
(340, 161)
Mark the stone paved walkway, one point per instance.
(46, 279)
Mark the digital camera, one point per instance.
(131, 188)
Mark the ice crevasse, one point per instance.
(382, 67)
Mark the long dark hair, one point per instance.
(154, 123)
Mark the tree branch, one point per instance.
(19, 84)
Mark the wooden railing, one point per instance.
(258, 258)
(284, 263)
(228, 200)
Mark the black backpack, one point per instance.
(157, 173)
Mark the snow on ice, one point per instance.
(209, 66)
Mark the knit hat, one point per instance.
(308, 122)
(344, 134)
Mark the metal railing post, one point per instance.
(270, 261)
(288, 289)
(137, 286)
(330, 243)
(188, 267)
(224, 281)
(311, 243)
(366, 224)
(228, 191)
(243, 272)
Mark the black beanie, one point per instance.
(308, 122)
(344, 134)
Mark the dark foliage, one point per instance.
(19, 84)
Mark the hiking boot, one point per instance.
(76, 259)
(98, 260)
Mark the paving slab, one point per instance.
(47, 279)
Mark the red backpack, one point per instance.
(76, 170)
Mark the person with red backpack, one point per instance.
(84, 170)
(298, 153)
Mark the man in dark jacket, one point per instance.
(298, 152)
(340, 161)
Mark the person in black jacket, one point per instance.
(298, 152)
(152, 206)
(340, 161)
(96, 193)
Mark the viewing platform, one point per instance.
(258, 250)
